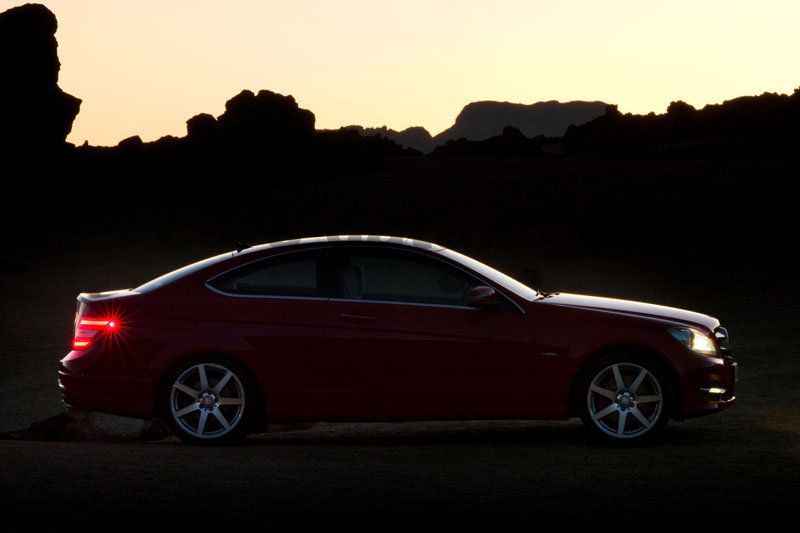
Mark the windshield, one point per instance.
(498, 277)
(169, 277)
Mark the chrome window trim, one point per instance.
(322, 299)
(266, 296)
(353, 300)
(453, 264)
(395, 302)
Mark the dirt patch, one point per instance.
(84, 426)
(90, 427)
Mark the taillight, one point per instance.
(87, 329)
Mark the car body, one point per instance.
(382, 328)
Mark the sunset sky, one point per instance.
(143, 67)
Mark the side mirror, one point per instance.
(481, 296)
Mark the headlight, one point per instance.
(695, 340)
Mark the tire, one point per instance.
(210, 401)
(624, 399)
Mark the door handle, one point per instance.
(357, 319)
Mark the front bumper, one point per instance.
(710, 389)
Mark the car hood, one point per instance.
(628, 307)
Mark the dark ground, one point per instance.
(714, 236)
(728, 470)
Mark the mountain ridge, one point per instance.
(483, 119)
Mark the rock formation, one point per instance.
(35, 114)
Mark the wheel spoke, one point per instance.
(618, 378)
(641, 418)
(191, 408)
(230, 401)
(201, 425)
(221, 418)
(648, 399)
(221, 383)
(195, 394)
(201, 369)
(623, 416)
(638, 381)
(605, 412)
(611, 395)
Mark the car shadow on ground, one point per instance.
(569, 434)
(735, 431)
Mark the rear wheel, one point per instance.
(624, 399)
(209, 402)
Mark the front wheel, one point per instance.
(624, 399)
(208, 402)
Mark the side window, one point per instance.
(401, 277)
(292, 275)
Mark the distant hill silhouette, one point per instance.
(748, 125)
(35, 114)
(511, 143)
(481, 120)
(415, 137)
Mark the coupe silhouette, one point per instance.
(383, 328)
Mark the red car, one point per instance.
(383, 328)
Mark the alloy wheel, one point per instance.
(625, 400)
(207, 401)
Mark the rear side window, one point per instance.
(293, 275)
(175, 275)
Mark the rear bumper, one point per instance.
(710, 389)
(83, 389)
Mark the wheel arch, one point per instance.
(631, 348)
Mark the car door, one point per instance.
(274, 320)
(412, 347)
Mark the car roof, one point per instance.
(343, 240)
(217, 261)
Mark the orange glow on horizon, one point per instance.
(145, 67)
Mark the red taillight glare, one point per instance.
(96, 324)
(87, 329)
(81, 343)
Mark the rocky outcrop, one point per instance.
(482, 120)
(35, 114)
(264, 133)
(266, 118)
(265, 121)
